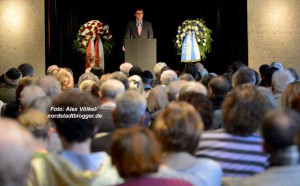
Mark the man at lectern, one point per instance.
(139, 28)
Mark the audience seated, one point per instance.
(280, 80)
(237, 147)
(17, 148)
(157, 101)
(65, 78)
(11, 79)
(178, 129)
(243, 76)
(168, 76)
(279, 131)
(203, 105)
(140, 159)
(173, 89)
(26, 70)
(50, 85)
(157, 73)
(125, 67)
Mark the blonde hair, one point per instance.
(87, 85)
(136, 83)
(65, 78)
(292, 90)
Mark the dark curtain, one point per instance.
(228, 22)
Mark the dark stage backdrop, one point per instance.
(228, 22)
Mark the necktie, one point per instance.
(139, 28)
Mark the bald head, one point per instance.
(17, 148)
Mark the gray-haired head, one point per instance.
(111, 88)
(168, 76)
(280, 80)
(130, 109)
(121, 77)
(125, 67)
(276, 64)
(193, 87)
(29, 94)
(243, 76)
(17, 149)
(157, 69)
(88, 76)
(174, 88)
(50, 85)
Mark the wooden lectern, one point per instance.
(141, 52)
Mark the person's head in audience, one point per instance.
(65, 79)
(193, 87)
(243, 76)
(174, 88)
(51, 69)
(201, 69)
(168, 76)
(157, 69)
(125, 67)
(295, 103)
(192, 69)
(87, 76)
(269, 74)
(294, 72)
(157, 99)
(130, 109)
(205, 80)
(26, 70)
(186, 77)
(276, 64)
(218, 86)
(202, 104)
(121, 77)
(104, 77)
(164, 69)
(147, 77)
(110, 89)
(12, 76)
(243, 110)
(25, 81)
(50, 85)
(280, 81)
(42, 104)
(263, 69)
(237, 65)
(135, 152)
(17, 149)
(75, 130)
(292, 90)
(29, 94)
(38, 125)
(136, 83)
(178, 128)
(279, 131)
(135, 70)
(97, 71)
(87, 85)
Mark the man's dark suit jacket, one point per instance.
(131, 31)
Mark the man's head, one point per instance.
(139, 14)
(111, 88)
(218, 86)
(73, 113)
(12, 76)
(26, 70)
(130, 109)
(279, 130)
(17, 148)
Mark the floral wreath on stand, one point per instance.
(200, 31)
(90, 32)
